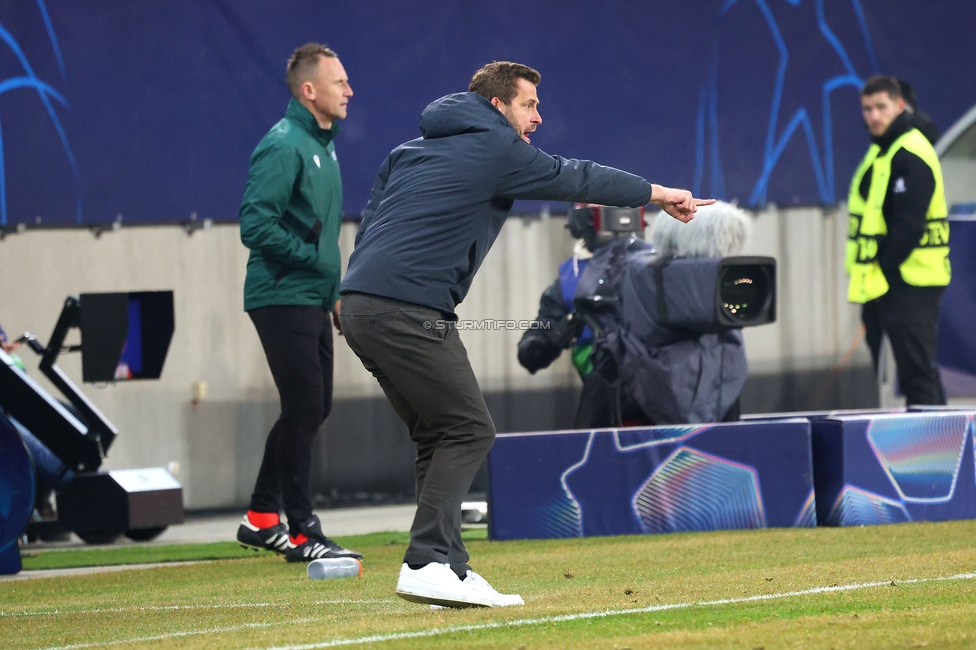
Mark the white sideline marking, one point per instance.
(376, 638)
(174, 635)
(343, 601)
(160, 637)
(37, 574)
(112, 610)
(163, 608)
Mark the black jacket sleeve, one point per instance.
(530, 173)
(910, 191)
(536, 350)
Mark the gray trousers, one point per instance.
(423, 368)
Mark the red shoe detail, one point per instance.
(298, 539)
(263, 519)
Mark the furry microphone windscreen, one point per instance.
(718, 230)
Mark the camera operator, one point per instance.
(560, 327)
(609, 399)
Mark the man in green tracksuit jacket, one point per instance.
(290, 219)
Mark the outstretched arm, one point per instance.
(529, 173)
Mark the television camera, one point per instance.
(665, 326)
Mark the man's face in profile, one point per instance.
(880, 110)
(523, 111)
(327, 93)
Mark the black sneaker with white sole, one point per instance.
(316, 545)
(274, 538)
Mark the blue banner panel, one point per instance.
(150, 110)
(651, 480)
(885, 469)
(957, 334)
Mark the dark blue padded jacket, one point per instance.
(439, 201)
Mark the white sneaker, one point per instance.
(479, 585)
(436, 584)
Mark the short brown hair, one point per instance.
(500, 79)
(302, 65)
(882, 83)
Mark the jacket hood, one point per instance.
(461, 113)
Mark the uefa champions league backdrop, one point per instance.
(150, 110)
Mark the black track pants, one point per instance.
(297, 341)
(910, 318)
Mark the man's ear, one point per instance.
(495, 102)
(308, 91)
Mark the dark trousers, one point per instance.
(910, 317)
(297, 341)
(423, 368)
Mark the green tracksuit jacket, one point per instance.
(291, 215)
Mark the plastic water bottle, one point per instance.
(335, 567)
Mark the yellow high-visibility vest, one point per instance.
(928, 263)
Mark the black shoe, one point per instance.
(317, 545)
(274, 538)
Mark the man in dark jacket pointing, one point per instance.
(437, 206)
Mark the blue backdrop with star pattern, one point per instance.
(150, 110)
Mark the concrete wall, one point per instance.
(217, 442)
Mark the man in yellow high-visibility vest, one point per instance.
(898, 240)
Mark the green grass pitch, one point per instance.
(903, 586)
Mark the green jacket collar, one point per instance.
(307, 121)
